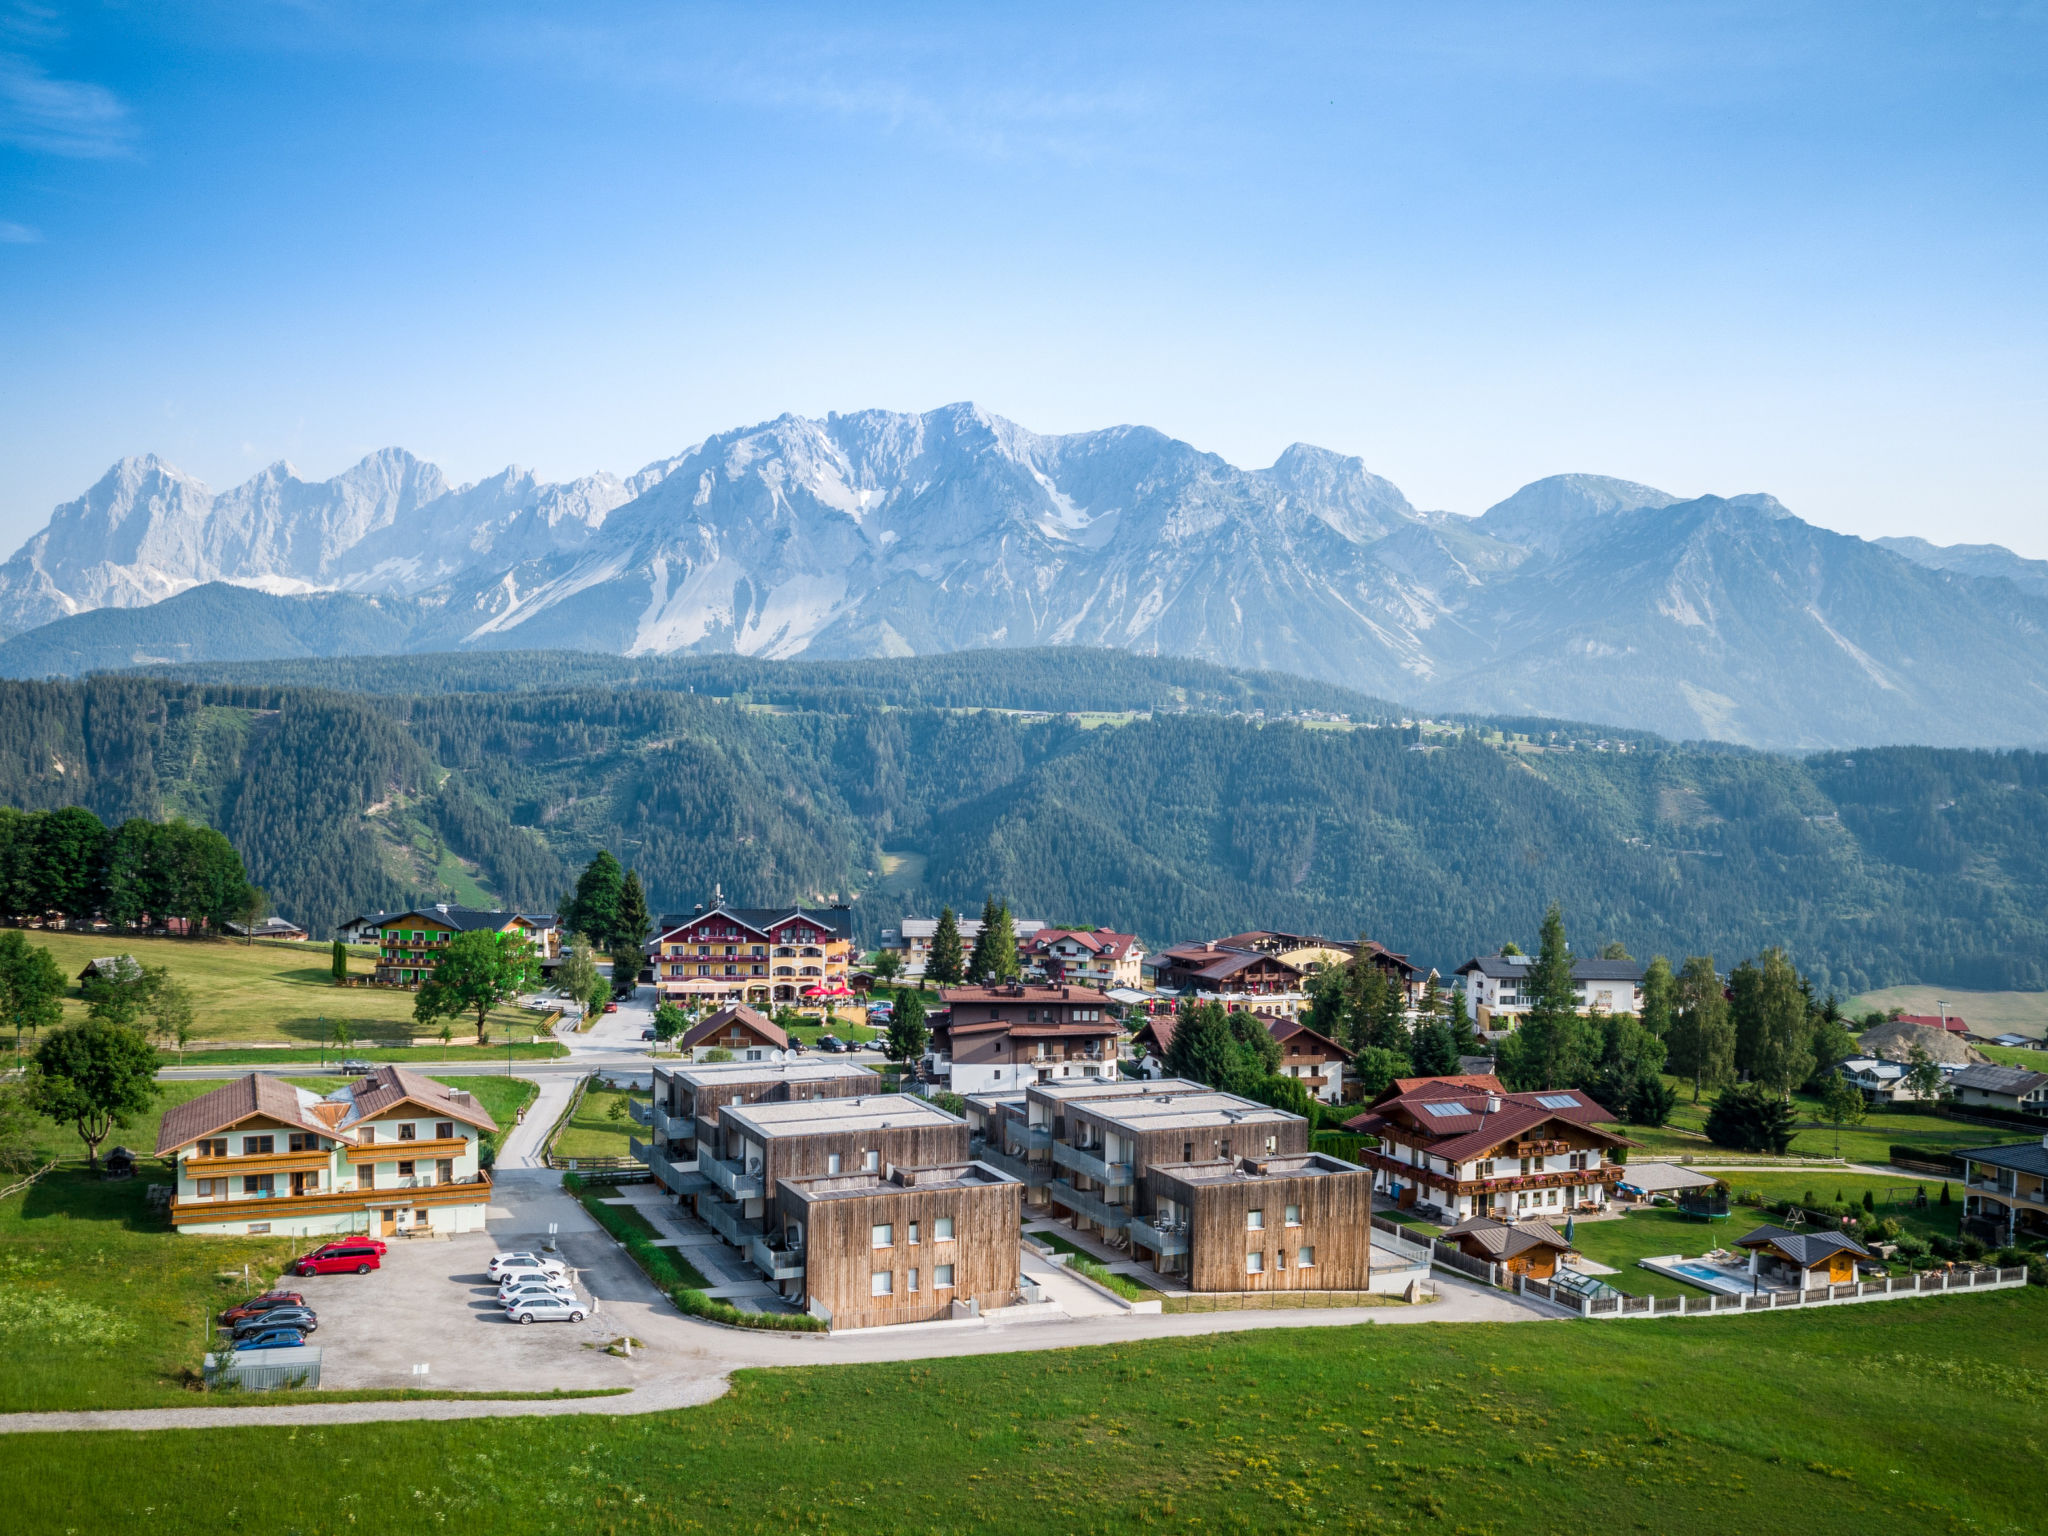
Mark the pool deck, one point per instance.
(1727, 1280)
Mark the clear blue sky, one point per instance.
(1722, 248)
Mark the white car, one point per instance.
(544, 1309)
(501, 1258)
(535, 1288)
(508, 1265)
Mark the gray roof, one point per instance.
(2017, 1081)
(1807, 1248)
(2021, 1156)
(1517, 967)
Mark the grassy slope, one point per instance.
(591, 1132)
(75, 1239)
(1670, 1427)
(1869, 1142)
(1989, 1013)
(266, 991)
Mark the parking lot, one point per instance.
(434, 1303)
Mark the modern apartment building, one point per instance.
(687, 1101)
(1287, 1222)
(997, 1038)
(390, 1152)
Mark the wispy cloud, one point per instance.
(18, 234)
(47, 115)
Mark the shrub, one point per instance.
(695, 1303)
(1910, 1247)
(1944, 1246)
(1971, 1249)
(1749, 1197)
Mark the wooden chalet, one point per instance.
(1467, 1146)
(1807, 1260)
(1533, 1248)
(736, 1028)
(410, 943)
(1213, 970)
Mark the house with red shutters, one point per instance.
(1466, 1146)
(1087, 957)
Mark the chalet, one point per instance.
(390, 1152)
(2017, 1089)
(737, 1029)
(1084, 957)
(1297, 1221)
(912, 942)
(1533, 1248)
(1310, 953)
(1945, 1021)
(1878, 1080)
(410, 943)
(1315, 1060)
(110, 968)
(1806, 1260)
(1001, 1037)
(1496, 986)
(756, 1145)
(2005, 1192)
(903, 1245)
(269, 928)
(1207, 971)
(1469, 1147)
(795, 957)
(687, 1101)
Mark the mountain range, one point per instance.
(884, 534)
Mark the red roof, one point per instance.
(1456, 1124)
(1111, 946)
(707, 1030)
(1952, 1024)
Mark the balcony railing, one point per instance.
(1112, 1217)
(1032, 1138)
(736, 1182)
(641, 1110)
(724, 1218)
(775, 1260)
(1036, 1175)
(1089, 1163)
(1162, 1240)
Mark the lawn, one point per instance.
(268, 992)
(1869, 1142)
(258, 1056)
(102, 1305)
(1918, 1420)
(592, 1132)
(1085, 1263)
(1988, 1013)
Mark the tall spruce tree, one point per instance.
(1555, 1046)
(629, 933)
(978, 965)
(594, 909)
(1702, 1035)
(946, 964)
(1203, 1049)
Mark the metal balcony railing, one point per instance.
(1161, 1239)
(724, 1218)
(1113, 1218)
(736, 1182)
(1090, 1162)
(776, 1261)
(641, 1110)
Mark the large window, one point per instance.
(1255, 1263)
(1254, 1221)
(881, 1283)
(258, 1146)
(882, 1236)
(1294, 1215)
(942, 1277)
(257, 1184)
(1305, 1258)
(942, 1229)
(303, 1141)
(444, 1130)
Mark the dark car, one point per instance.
(831, 1043)
(256, 1306)
(647, 1034)
(271, 1338)
(359, 1255)
(305, 1319)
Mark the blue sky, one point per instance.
(1730, 248)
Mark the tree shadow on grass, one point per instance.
(74, 1193)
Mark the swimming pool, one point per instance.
(1708, 1278)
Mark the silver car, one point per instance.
(562, 1288)
(544, 1309)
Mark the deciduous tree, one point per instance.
(476, 972)
(94, 1077)
(31, 986)
(1702, 1036)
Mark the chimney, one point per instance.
(1493, 1103)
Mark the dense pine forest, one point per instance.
(802, 781)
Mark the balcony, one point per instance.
(1035, 1175)
(1087, 1162)
(1112, 1218)
(1163, 1240)
(1032, 1138)
(735, 1182)
(641, 1110)
(724, 1218)
(776, 1261)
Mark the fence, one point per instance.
(1273, 1301)
(1934, 1283)
(1445, 1255)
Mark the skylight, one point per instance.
(1557, 1101)
(1443, 1109)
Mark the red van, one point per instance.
(357, 1254)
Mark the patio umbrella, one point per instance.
(1568, 1229)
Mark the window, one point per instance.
(832, 1162)
(213, 1146)
(913, 1238)
(1294, 1215)
(1557, 1100)
(369, 1135)
(871, 1161)
(303, 1141)
(444, 1170)
(882, 1236)
(258, 1183)
(405, 1168)
(1255, 1263)
(1305, 1258)
(256, 1146)
(942, 1277)
(408, 1132)
(1272, 1144)
(1280, 1259)
(913, 1281)
(881, 1283)
(444, 1130)
(212, 1189)
(258, 1228)
(1254, 1221)
(366, 1176)
(942, 1230)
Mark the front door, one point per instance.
(387, 1223)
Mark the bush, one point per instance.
(1944, 1246)
(1910, 1247)
(695, 1303)
(1749, 1197)
(1971, 1249)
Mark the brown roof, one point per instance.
(230, 1104)
(1456, 1124)
(1287, 1029)
(1005, 1026)
(1447, 1087)
(1504, 1239)
(706, 1029)
(388, 1087)
(1018, 994)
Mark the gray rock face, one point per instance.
(879, 533)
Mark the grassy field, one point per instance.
(269, 991)
(591, 1131)
(1988, 1013)
(1921, 1421)
(257, 1056)
(102, 1305)
(1869, 1142)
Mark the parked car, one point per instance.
(648, 1033)
(831, 1043)
(510, 1294)
(522, 1265)
(305, 1319)
(256, 1306)
(271, 1338)
(359, 1255)
(611, 1007)
(545, 1310)
(355, 1065)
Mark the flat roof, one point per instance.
(1011, 1097)
(840, 1186)
(818, 1117)
(711, 1073)
(1250, 1170)
(1204, 1108)
(1114, 1088)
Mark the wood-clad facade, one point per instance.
(688, 1099)
(903, 1247)
(1274, 1223)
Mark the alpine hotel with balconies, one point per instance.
(391, 1152)
(1467, 1145)
(795, 957)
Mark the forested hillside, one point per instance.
(1873, 868)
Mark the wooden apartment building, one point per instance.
(993, 1039)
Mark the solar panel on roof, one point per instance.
(1557, 1101)
(1445, 1108)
